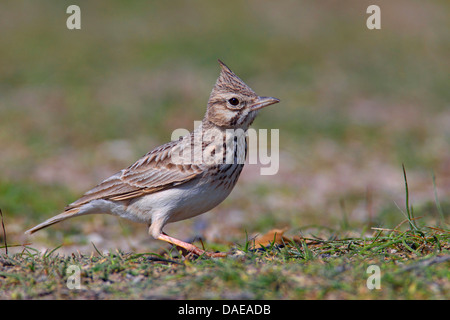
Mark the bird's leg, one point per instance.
(190, 247)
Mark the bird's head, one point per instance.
(232, 104)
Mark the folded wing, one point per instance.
(153, 172)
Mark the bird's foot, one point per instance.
(190, 248)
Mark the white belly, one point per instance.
(182, 202)
(175, 204)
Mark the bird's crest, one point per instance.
(228, 81)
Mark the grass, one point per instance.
(413, 260)
(412, 266)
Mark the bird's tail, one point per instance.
(60, 217)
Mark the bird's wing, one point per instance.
(153, 172)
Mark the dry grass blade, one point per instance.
(4, 232)
(385, 229)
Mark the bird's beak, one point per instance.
(262, 102)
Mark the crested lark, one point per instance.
(184, 178)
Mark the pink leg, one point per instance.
(190, 247)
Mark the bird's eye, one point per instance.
(233, 101)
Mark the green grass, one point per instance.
(412, 266)
(413, 258)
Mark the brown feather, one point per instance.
(151, 173)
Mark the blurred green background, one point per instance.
(78, 105)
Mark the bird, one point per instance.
(182, 178)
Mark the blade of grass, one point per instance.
(27, 250)
(344, 223)
(308, 254)
(46, 255)
(98, 251)
(4, 233)
(409, 211)
(407, 246)
(436, 200)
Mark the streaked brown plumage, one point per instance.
(183, 178)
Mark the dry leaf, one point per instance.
(274, 236)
